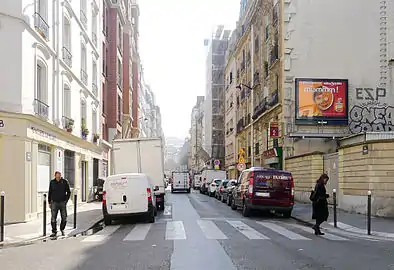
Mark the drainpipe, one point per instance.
(252, 91)
(57, 73)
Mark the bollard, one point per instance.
(44, 216)
(369, 213)
(334, 198)
(75, 210)
(2, 221)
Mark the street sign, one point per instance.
(274, 130)
(216, 162)
(217, 167)
(241, 167)
(241, 152)
(241, 159)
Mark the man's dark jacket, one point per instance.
(59, 191)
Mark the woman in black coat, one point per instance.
(320, 203)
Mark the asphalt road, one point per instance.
(196, 232)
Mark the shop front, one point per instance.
(273, 158)
(31, 150)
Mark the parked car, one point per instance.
(220, 189)
(128, 195)
(264, 189)
(227, 192)
(212, 187)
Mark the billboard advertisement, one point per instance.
(321, 101)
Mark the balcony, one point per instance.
(94, 39)
(41, 109)
(67, 57)
(266, 104)
(84, 77)
(84, 19)
(240, 125)
(274, 55)
(41, 26)
(68, 123)
(95, 89)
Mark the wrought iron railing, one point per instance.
(68, 123)
(94, 39)
(84, 19)
(95, 89)
(67, 57)
(266, 104)
(84, 76)
(41, 26)
(41, 109)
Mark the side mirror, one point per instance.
(156, 188)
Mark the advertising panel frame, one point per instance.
(317, 120)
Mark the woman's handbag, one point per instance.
(312, 197)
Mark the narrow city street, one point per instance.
(198, 232)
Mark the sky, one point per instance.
(173, 55)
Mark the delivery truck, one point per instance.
(141, 155)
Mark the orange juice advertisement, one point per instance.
(318, 98)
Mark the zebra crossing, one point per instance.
(214, 230)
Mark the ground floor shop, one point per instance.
(31, 150)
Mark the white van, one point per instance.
(128, 194)
(197, 181)
(180, 181)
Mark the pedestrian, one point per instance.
(319, 203)
(58, 195)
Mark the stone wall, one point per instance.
(306, 169)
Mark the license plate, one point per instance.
(263, 194)
(118, 206)
(158, 199)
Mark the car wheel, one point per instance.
(155, 211)
(223, 200)
(228, 201)
(233, 206)
(245, 210)
(287, 214)
(151, 217)
(107, 221)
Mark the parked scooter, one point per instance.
(99, 190)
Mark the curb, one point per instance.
(31, 241)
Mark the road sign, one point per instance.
(241, 167)
(217, 167)
(241, 152)
(217, 162)
(241, 159)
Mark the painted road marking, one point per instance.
(167, 211)
(175, 230)
(138, 233)
(101, 235)
(211, 230)
(328, 236)
(357, 230)
(282, 231)
(246, 230)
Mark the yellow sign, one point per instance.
(241, 152)
(241, 159)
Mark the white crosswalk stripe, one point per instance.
(102, 235)
(328, 236)
(175, 230)
(138, 233)
(213, 229)
(246, 230)
(210, 230)
(282, 231)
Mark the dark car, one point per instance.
(264, 189)
(228, 192)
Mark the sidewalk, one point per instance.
(356, 223)
(88, 214)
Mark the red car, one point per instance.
(264, 189)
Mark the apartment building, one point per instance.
(214, 128)
(230, 110)
(197, 159)
(119, 81)
(258, 81)
(50, 100)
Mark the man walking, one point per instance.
(58, 196)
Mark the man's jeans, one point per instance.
(55, 208)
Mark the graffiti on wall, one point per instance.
(371, 113)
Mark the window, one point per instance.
(94, 122)
(41, 96)
(94, 29)
(105, 52)
(103, 98)
(67, 101)
(119, 107)
(66, 50)
(40, 82)
(84, 74)
(41, 18)
(120, 35)
(94, 73)
(105, 16)
(69, 167)
(42, 9)
(120, 71)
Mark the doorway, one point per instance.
(83, 179)
(95, 171)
